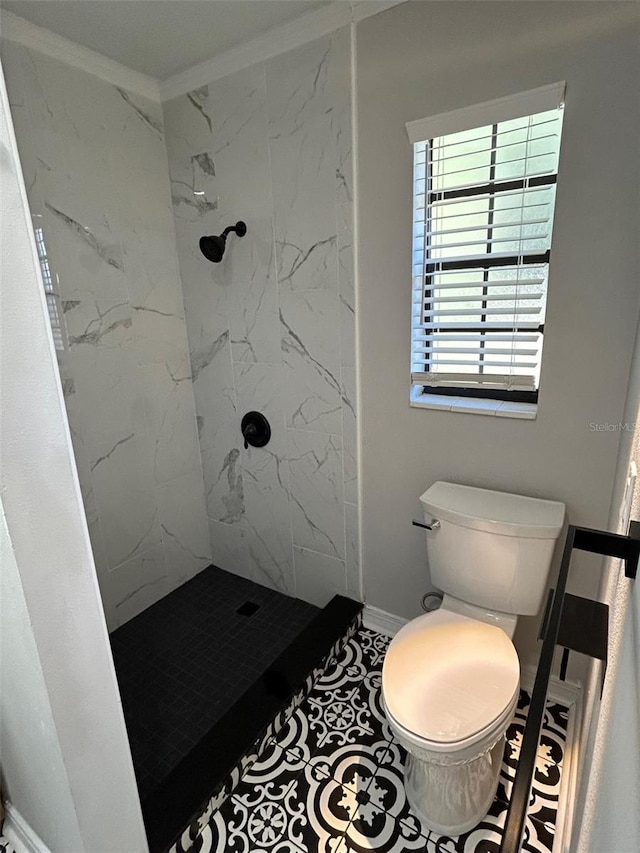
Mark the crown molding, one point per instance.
(278, 40)
(361, 9)
(58, 47)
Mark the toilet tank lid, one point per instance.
(494, 512)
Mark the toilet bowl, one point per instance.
(450, 687)
(451, 678)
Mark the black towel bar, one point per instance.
(626, 548)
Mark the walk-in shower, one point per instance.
(212, 409)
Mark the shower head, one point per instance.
(212, 247)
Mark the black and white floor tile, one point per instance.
(331, 779)
(188, 837)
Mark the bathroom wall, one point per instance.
(421, 59)
(608, 797)
(95, 167)
(271, 328)
(61, 722)
(27, 727)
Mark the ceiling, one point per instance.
(160, 37)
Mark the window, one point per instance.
(484, 194)
(47, 280)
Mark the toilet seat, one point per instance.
(450, 682)
(453, 753)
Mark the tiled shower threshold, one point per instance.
(203, 673)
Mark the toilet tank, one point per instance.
(491, 549)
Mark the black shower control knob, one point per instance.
(255, 429)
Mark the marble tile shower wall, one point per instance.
(271, 328)
(95, 167)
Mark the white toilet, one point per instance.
(451, 678)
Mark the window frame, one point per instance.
(490, 113)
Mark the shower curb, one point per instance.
(211, 772)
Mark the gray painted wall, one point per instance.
(421, 59)
(608, 797)
(27, 728)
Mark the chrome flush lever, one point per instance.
(435, 524)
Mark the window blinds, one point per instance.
(47, 280)
(482, 225)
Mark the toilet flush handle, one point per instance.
(434, 525)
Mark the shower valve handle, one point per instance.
(250, 432)
(255, 430)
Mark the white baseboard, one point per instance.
(570, 694)
(19, 834)
(380, 620)
(567, 692)
(569, 784)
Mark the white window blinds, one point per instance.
(47, 280)
(483, 218)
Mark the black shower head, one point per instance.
(213, 247)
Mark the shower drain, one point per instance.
(248, 608)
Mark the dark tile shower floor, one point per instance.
(182, 663)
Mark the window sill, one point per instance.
(472, 405)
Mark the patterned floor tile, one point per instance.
(556, 718)
(544, 833)
(371, 690)
(329, 804)
(331, 719)
(273, 763)
(373, 828)
(353, 765)
(388, 783)
(343, 716)
(337, 647)
(545, 790)
(553, 731)
(332, 780)
(487, 836)
(364, 652)
(337, 676)
(279, 810)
